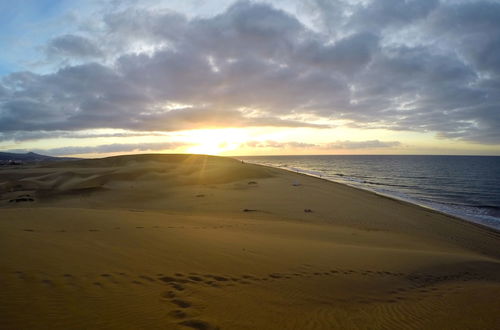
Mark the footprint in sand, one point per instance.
(48, 282)
(147, 278)
(218, 278)
(176, 286)
(197, 324)
(195, 278)
(180, 303)
(178, 314)
(168, 295)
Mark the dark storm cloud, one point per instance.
(403, 65)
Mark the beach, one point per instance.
(204, 242)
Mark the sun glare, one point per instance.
(206, 149)
(215, 141)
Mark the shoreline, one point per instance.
(392, 196)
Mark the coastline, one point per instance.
(399, 196)
(393, 198)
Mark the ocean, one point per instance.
(464, 186)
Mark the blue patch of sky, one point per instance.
(27, 25)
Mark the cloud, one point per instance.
(37, 135)
(3, 91)
(348, 145)
(105, 148)
(474, 29)
(276, 144)
(70, 45)
(381, 14)
(347, 56)
(417, 65)
(371, 144)
(328, 15)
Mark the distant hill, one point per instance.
(29, 157)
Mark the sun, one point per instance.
(205, 149)
(215, 141)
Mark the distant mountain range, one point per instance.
(29, 157)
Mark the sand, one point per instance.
(184, 241)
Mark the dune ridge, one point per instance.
(204, 242)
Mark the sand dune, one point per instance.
(185, 241)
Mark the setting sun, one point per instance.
(207, 148)
(215, 141)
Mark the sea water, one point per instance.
(464, 186)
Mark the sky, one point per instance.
(97, 78)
